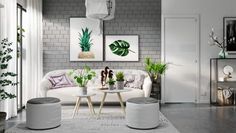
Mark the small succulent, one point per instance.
(111, 81)
(85, 40)
(120, 76)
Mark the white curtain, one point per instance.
(34, 48)
(8, 30)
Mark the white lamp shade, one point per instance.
(99, 9)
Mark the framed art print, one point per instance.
(86, 40)
(122, 47)
(230, 34)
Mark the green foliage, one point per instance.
(120, 48)
(85, 40)
(19, 35)
(5, 57)
(120, 76)
(83, 77)
(155, 68)
(111, 81)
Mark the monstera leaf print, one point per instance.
(120, 48)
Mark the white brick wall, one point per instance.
(141, 17)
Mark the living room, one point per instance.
(117, 66)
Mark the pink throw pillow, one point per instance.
(60, 81)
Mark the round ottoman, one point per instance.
(142, 113)
(43, 113)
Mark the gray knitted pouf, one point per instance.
(142, 113)
(43, 113)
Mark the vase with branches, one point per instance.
(214, 41)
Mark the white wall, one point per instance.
(211, 14)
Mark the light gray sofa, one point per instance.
(66, 94)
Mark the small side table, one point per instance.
(89, 101)
(119, 97)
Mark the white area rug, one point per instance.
(110, 121)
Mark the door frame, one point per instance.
(197, 19)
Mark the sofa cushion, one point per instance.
(134, 80)
(60, 81)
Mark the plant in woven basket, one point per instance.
(85, 43)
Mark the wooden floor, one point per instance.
(188, 118)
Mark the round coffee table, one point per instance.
(111, 92)
(89, 101)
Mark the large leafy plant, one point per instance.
(120, 48)
(5, 76)
(83, 76)
(155, 69)
(85, 40)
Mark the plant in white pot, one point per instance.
(5, 77)
(120, 80)
(82, 78)
(111, 84)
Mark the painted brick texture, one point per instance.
(140, 17)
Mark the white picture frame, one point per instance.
(113, 53)
(95, 51)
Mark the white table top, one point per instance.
(115, 90)
(87, 95)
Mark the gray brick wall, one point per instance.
(142, 17)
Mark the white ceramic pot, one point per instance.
(82, 90)
(120, 85)
(111, 87)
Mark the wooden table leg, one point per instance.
(102, 102)
(91, 105)
(76, 107)
(121, 102)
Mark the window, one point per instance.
(21, 51)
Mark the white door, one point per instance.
(180, 49)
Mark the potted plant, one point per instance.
(120, 80)
(111, 84)
(155, 69)
(5, 78)
(85, 43)
(82, 78)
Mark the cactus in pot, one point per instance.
(120, 80)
